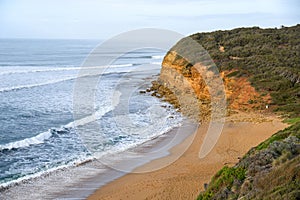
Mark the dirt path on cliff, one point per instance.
(184, 179)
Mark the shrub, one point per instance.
(224, 178)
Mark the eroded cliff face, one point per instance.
(196, 85)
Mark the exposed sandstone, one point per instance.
(188, 87)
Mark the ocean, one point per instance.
(38, 136)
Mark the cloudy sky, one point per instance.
(101, 19)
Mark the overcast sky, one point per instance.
(102, 19)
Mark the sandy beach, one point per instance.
(185, 178)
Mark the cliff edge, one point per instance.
(260, 71)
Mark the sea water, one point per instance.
(37, 128)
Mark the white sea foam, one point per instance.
(155, 63)
(121, 148)
(98, 114)
(83, 74)
(79, 161)
(11, 70)
(38, 139)
(34, 85)
(157, 57)
(141, 132)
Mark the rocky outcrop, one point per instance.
(197, 88)
(266, 58)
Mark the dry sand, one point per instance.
(184, 178)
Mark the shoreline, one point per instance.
(185, 178)
(83, 179)
(85, 176)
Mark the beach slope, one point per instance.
(185, 178)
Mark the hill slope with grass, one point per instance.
(269, 171)
(260, 69)
(270, 59)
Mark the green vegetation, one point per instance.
(269, 171)
(282, 182)
(224, 178)
(270, 58)
(290, 131)
(292, 120)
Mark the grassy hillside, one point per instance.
(270, 58)
(269, 171)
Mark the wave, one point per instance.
(157, 57)
(81, 160)
(98, 114)
(150, 57)
(57, 69)
(34, 85)
(15, 88)
(38, 139)
(137, 142)
(155, 63)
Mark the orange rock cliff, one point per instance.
(184, 79)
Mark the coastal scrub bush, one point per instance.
(292, 120)
(268, 57)
(272, 169)
(224, 178)
(293, 130)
